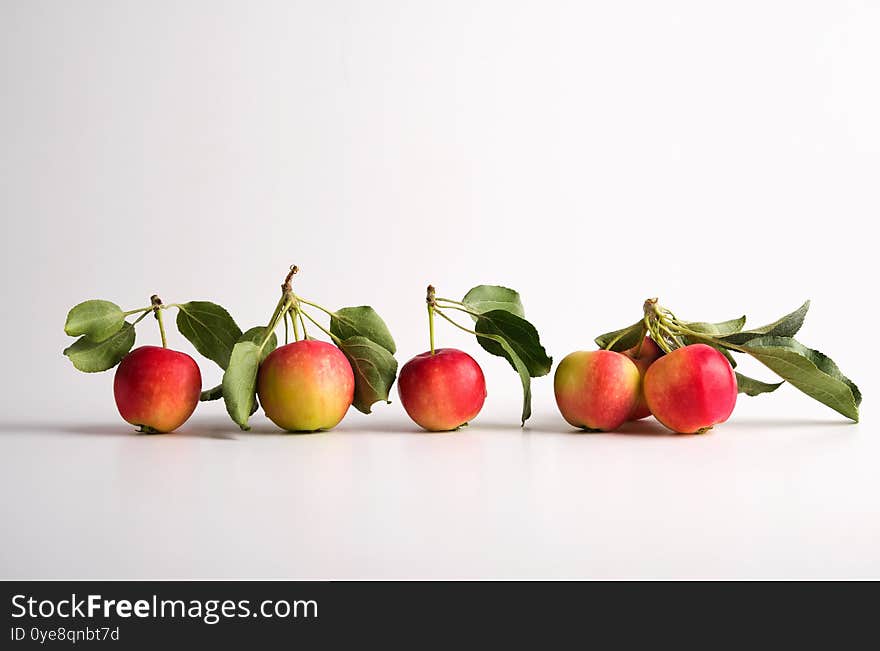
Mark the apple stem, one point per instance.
(142, 316)
(467, 330)
(431, 326)
(286, 335)
(336, 340)
(302, 323)
(286, 286)
(280, 309)
(296, 334)
(156, 302)
(432, 303)
(138, 311)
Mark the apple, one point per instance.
(442, 391)
(306, 386)
(643, 357)
(691, 389)
(596, 390)
(157, 388)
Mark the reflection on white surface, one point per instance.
(759, 497)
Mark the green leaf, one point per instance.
(622, 339)
(210, 329)
(809, 370)
(94, 356)
(716, 329)
(97, 320)
(521, 337)
(753, 387)
(374, 371)
(240, 382)
(486, 298)
(521, 369)
(726, 354)
(254, 335)
(787, 326)
(216, 393)
(362, 321)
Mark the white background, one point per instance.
(721, 156)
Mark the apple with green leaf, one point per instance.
(155, 388)
(444, 388)
(693, 386)
(308, 385)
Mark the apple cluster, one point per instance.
(688, 390)
(681, 372)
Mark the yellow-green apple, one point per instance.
(596, 390)
(306, 386)
(442, 391)
(156, 388)
(691, 389)
(643, 356)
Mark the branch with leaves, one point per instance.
(359, 332)
(501, 329)
(773, 345)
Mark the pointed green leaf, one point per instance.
(520, 336)
(94, 356)
(254, 335)
(216, 393)
(210, 329)
(240, 382)
(753, 387)
(809, 370)
(622, 339)
(717, 329)
(362, 321)
(730, 358)
(520, 367)
(486, 298)
(787, 326)
(374, 371)
(97, 320)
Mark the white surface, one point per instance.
(757, 498)
(589, 154)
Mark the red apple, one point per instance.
(596, 390)
(156, 388)
(443, 391)
(306, 386)
(691, 389)
(643, 358)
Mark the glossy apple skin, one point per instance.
(305, 386)
(691, 389)
(157, 389)
(647, 355)
(596, 390)
(443, 391)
